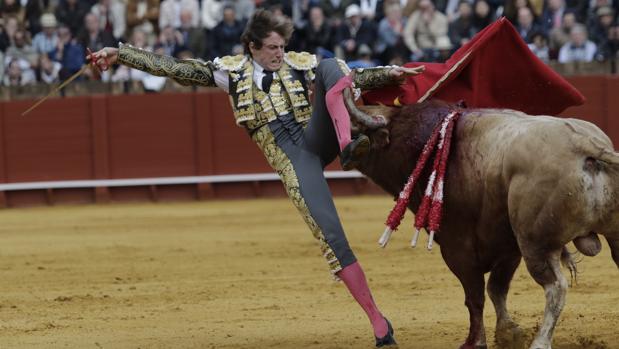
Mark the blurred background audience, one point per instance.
(45, 41)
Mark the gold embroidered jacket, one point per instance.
(252, 107)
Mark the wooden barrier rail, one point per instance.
(113, 137)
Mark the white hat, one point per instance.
(353, 10)
(48, 20)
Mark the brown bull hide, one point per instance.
(517, 187)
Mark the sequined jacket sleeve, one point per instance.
(373, 78)
(185, 72)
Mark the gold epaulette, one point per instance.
(230, 63)
(300, 60)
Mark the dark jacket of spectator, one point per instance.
(354, 32)
(227, 34)
(317, 32)
(71, 13)
(335, 14)
(94, 38)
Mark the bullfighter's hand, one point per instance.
(104, 58)
(400, 73)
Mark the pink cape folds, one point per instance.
(496, 69)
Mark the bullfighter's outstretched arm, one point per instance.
(183, 71)
(378, 77)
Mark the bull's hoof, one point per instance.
(540, 344)
(509, 335)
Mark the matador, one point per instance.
(269, 93)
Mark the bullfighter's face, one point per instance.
(271, 55)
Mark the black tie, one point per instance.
(267, 80)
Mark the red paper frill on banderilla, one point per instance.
(431, 208)
(496, 69)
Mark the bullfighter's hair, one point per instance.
(261, 24)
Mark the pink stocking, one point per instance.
(338, 112)
(354, 278)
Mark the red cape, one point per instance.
(496, 69)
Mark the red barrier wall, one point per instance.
(166, 135)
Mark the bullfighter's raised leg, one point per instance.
(321, 136)
(508, 334)
(546, 271)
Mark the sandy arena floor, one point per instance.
(247, 274)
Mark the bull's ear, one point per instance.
(380, 138)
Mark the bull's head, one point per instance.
(370, 119)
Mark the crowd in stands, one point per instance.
(46, 40)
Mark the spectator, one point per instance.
(5, 40)
(70, 53)
(526, 24)
(334, 10)
(11, 24)
(48, 70)
(46, 41)
(482, 16)
(512, 8)
(112, 17)
(364, 58)
(143, 15)
(444, 49)
(21, 49)
(539, 46)
(608, 49)
(71, 13)
(452, 9)
(317, 33)
(93, 37)
(600, 28)
(352, 33)
(18, 73)
(212, 13)
(552, 17)
(170, 40)
(602, 32)
(33, 10)
(462, 29)
(194, 38)
(579, 48)
(245, 8)
(126, 74)
(423, 28)
(1, 67)
(170, 13)
(390, 42)
(560, 36)
(226, 36)
(372, 10)
(11, 8)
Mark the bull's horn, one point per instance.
(363, 118)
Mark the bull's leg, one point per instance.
(508, 334)
(614, 249)
(473, 283)
(474, 301)
(546, 270)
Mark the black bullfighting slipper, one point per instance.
(387, 340)
(353, 153)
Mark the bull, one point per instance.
(518, 187)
